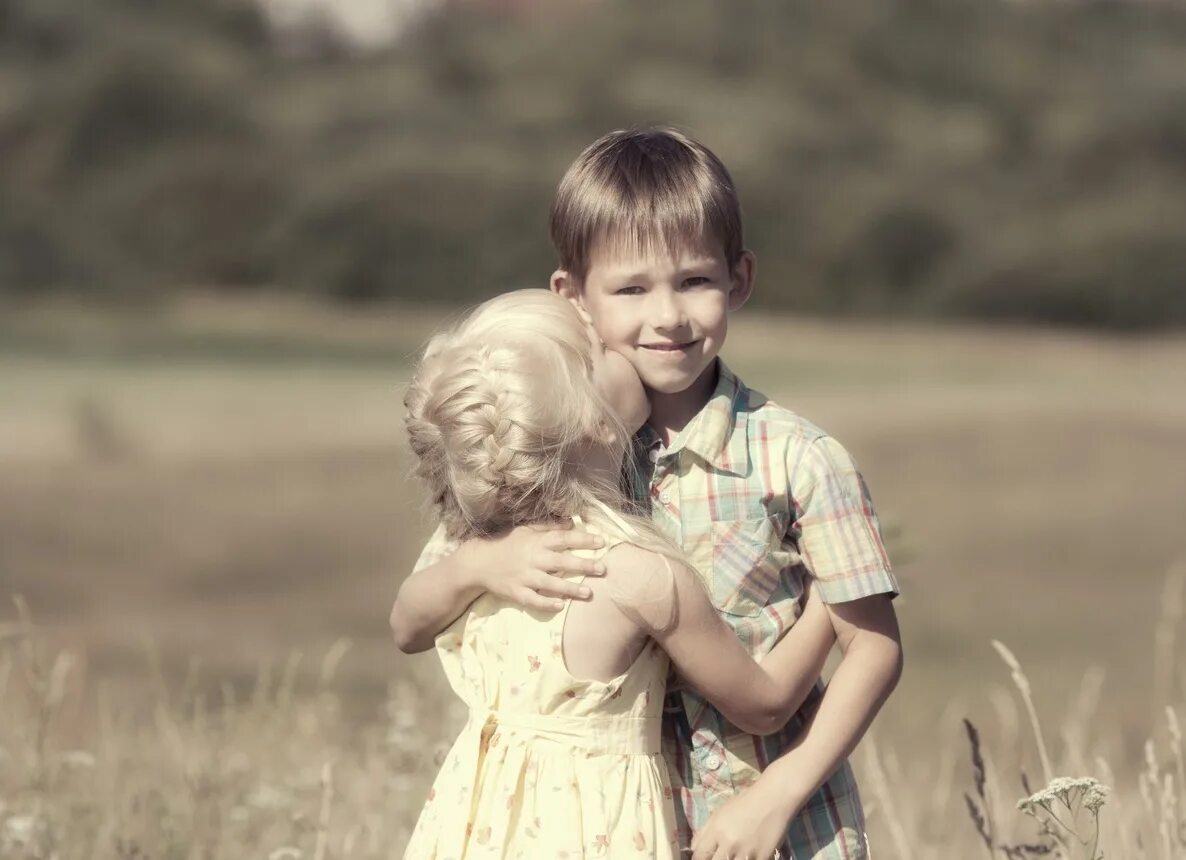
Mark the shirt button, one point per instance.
(653, 454)
(664, 498)
(713, 761)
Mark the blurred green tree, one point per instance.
(999, 160)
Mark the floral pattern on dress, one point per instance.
(548, 765)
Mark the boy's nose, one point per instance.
(666, 312)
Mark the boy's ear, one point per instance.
(741, 285)
(564, 284)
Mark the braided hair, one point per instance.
(497, 411)
(501, 410)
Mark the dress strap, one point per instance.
(579, 522)
(616, 518)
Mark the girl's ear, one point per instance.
(562, 283)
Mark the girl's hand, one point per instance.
(526, 566)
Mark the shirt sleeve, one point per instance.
(439, 546)
(835, 526)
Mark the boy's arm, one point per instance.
(519, 566)
(754, 822)
(867, 630)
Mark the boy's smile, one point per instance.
(678, 350)
(666, 311)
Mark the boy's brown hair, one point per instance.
(640, 189)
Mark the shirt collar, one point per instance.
(717, 433)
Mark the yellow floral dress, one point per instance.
(548, 766)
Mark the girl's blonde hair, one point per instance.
(501, 411)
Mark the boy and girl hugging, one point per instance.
(642, 564)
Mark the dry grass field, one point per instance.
(206, 509)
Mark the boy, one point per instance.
(647, 227)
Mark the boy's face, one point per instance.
(666, 312)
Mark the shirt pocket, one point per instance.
(744, 567)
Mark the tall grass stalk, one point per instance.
(885, 799)
(1023, 685)
(1165, 651)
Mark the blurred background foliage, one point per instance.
(1015, 161)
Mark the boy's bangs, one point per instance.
(632, 238)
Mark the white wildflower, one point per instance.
(1091, 792)
(1095, 797)
(1074, 795)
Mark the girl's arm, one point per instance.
(517, 566)
(756, 697)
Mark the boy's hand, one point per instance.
(750, 824)
(526, 565)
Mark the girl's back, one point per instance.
(548, 764)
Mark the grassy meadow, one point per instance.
(205, 512)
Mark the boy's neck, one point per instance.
(671, 413)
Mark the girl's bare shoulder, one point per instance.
(643, 584)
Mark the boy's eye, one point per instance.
(695, 281)
(628, 291)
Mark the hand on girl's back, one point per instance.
(527, 564)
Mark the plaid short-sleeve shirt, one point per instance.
(760, 499)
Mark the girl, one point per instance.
(519, 416)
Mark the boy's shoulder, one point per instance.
(766, 419)
(811, 455)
